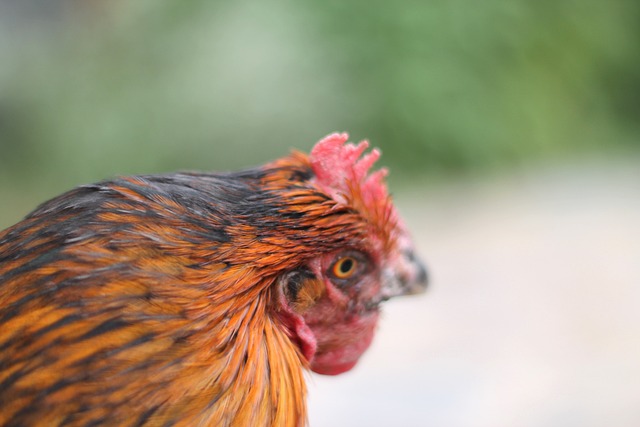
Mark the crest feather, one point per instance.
(342, 171)
(339, 166)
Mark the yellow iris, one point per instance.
(345, 267)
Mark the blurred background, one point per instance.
(510, 128)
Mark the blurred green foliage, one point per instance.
(90, 89)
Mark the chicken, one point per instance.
(196, 298)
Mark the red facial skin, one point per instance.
(341, 345)
(341, 323)
(339, 327)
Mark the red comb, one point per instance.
(343, 172)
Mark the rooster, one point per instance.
(198, 299)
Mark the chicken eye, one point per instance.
(345, 267)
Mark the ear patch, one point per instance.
(301, 289)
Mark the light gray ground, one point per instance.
(533, 317)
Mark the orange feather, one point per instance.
(189, 299)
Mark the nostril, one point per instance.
(410, 255)
(423, 277)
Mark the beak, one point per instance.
(408, 276)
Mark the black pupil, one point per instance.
(346, 265)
